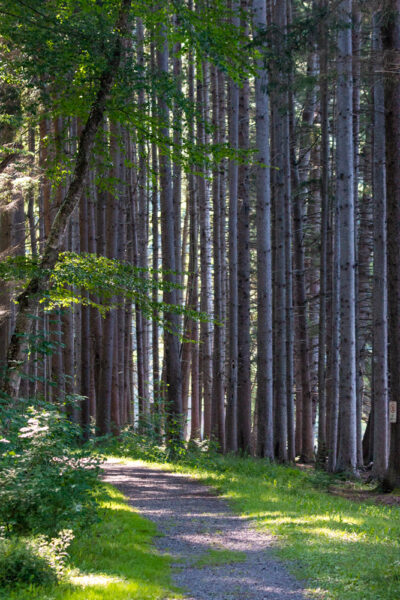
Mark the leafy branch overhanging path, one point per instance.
(198, 527)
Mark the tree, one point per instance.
(391, 48)
(264, 402)
(29, 298)
(347, 451)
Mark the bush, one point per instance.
(149, 448)
(33, 561)
(46, 480)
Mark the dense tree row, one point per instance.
(243, 158)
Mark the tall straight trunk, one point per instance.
(187, 347)
(172, 356)
(95, 210)
(85, 366)
(391, 55)
(177, 169)
(290, 309)
(205, 251)
(291, 449)
(118, 385)
(31, 197)
(71, 323)
(104, 400)
(360, 297)
(128, 369)
(218, 396)
(33, 359)
(155, 265)
(143, 406)
(195, 430)
(5, 292)
(193, 374)
(264, 400)
(333, 358)
(141, 226)
(244, 377)
(347, 451)
(281, 124)
(232, 392)
(222, 133)
(323, 276)
(28, 300)
(301, 173)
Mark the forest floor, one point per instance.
(114, 559)
(353, 491)
(334, 535)
(216, 555)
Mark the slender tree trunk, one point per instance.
(104, 412)
(264, 401)
(141, 227)
(347, 451)
(360, 325)
(232, 397)
(218, 396)
(244, 377)
(28, 300)
(85, 326)
(391, 55)
(323, 277)
(172, 357)
(155, 265)
(205, 252)
(281, 125)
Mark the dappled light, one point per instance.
(199, 299)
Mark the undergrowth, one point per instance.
(343, 549)
(113, 560)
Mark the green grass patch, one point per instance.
(344, 550)
(112, 560)
(219, 556)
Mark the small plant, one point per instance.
(46, 480)
(33, 560)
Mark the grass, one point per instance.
(219, 556)
(343, 549)
(114, 560)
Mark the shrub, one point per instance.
(46, 480)
(33, 560)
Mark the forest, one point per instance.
(200, 268)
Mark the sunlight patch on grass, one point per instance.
(113, 560)
(345, 550)
(219, 556)
(94, 579)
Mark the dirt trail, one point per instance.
(194, 521)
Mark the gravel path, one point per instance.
(193, 521)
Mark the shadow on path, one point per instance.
(193, 521)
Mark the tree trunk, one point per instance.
(281, 124)
(243, 375)
(205, 251)
(391, 55)
(264, 401)
(232, 397)
(218, 396)
(347, 452)
(323, 277)
(28, 300)
(173, 377)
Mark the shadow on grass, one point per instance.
(345, 550)
(112, 560)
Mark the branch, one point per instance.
(28, 300)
